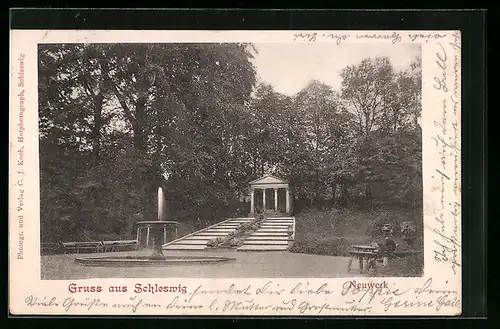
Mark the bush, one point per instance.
(215, 242)
(244, 227)
(334, 232)
(254, 226)
(236, 242)
(380, 218)
(212, 243)
(409, 266)
(331, 247)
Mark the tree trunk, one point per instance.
(345, 192)
(368, 193)
(96, 129)
(140, 148)
(367, 122)
(139, 134)
(334, 191)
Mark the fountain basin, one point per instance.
(146, 261)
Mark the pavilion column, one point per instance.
(287, 200)
(252, 210)
(275, 199)
(264, 199)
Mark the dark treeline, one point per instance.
(118, 120)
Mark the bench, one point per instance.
(121, 245)
(363, 254)
(85, 246)
(50, 248)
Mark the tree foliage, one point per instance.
(118, 120)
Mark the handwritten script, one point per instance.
(446, 140)
(394, 37)
(269, 297)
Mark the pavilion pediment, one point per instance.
(268, 179)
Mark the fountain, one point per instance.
(157, 230)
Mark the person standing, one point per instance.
(388, 246)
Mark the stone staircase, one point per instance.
(271, 236)
(198, 240)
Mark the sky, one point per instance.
(290, 67)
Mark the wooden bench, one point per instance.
(50, 248)
(86, 246)
(363, 254)
(121, 245)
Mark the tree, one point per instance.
(366, 87)
(386, 107)
(402, 106)
(117, 120)
(317, 105)
(265, 136)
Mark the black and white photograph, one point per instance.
(230, 160)
(235, 173)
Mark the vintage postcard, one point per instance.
(208, 173)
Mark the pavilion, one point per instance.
(269, 193)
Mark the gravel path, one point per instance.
(247, 264)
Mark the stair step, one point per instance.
(220, 230)
(267, 238)
(212, 233)
(284, 222)
(280, 218)
(200, 238)
(259, 233)
(275, 226)
(278, 225)
(272, 230)
(184, 247)
(191, 242)
(278, 221)
(262, 248)
(204, 237)
(266, 243)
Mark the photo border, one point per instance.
(472, 122)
